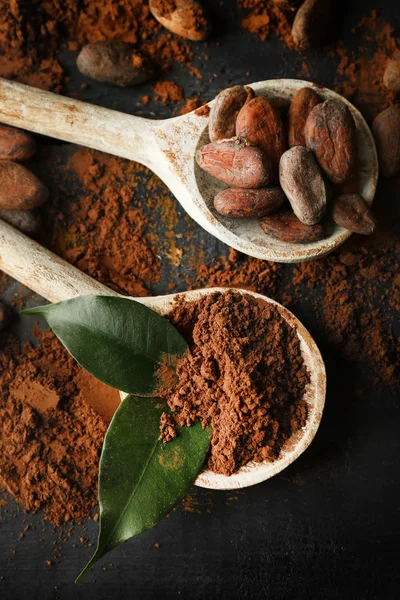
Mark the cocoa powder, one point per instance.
(107, 188)
(29, 53)
(244, 376)
(50, 436)
(265, 18)
(354, 293)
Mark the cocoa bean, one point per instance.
(330, 132)
(27, 221)
(353, 213)
(302, 104)
(186, 18)
(116, 63)
(312, 23)
(15, 144)
(236, 162)
(20, 189)
(261, 124)
(286, 227)
(391, 76)
(224, 112)
(250, 204)
(303, 184)
(386, 130)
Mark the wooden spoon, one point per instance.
(168, 148)
(56, 280)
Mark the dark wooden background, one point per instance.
(328, 526)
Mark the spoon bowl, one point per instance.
(55, 279)
(168, 148)
(256, 472)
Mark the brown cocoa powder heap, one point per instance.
(244, 376)
(51, 431)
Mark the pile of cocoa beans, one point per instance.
(270, 166)
(21, 192)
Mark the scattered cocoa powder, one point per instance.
(354, 292)
(356, 298)
(50, 436)
(203, 111)
(361, 71)
(265, 18)
(32, 35)
(190, 104)
(241, 272)
(168, 91)
(80, 231)
(244, 376)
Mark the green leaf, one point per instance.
(141, 479)
(118, 340)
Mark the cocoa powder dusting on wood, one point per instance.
(244, 375)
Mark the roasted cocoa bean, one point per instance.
(116, 63)
(302, 104)
(386, 130)
(16, 144)
(186, 18)
(236, 162)
(250, 204)
(261, 124)
(303, 184)
(20, 189)
(312, 23)
(27, 221)
(286, 227)
(330, 133)
(224, 112)
(353, 213)
(391, 76)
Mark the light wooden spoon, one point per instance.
(168, 148)
(57, 280)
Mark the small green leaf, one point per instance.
(119, 341)
(141, 479)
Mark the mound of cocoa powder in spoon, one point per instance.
(244, 376)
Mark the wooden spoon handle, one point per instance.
(78, 122)
(41, 270)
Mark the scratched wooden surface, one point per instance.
(328, 526)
